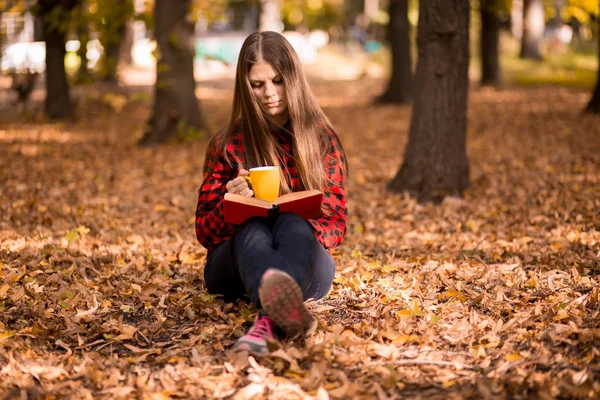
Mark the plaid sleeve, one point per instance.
(330, 228)
(211, 228)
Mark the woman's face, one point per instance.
(267, 86)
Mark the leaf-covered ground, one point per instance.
(491, 296)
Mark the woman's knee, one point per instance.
(289, 218)
(323, 272)
(252, 232)
(290, 222)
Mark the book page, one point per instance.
(296, 195)
(248, 200)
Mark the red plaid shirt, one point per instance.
(211, 229)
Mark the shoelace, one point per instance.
(261, 328)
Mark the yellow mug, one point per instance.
(265, 182)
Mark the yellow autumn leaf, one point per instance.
(532, 282)
(390, 334)
(3, 290)
(525, 239)
(512, 357)
(389, 268)
(405, 339)
(164, 395)
(356, 281)
(404, 313)
(452, 293)
(562, 314)
(472, 225)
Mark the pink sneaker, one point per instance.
(255, 341)
(281, 298)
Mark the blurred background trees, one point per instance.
(533, 28)
(104, 35)
(109, 18)
(490, 11)
(398, 35)
(435, 161)
(56, 18)
(522, 42)
(175, 109)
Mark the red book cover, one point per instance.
(306, 204)
(237, 209)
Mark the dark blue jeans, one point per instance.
(234, 268)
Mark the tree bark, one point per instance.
(399, 89)
(435, 160)
(516, 19)
(110, 59)
(1, 36)
(175, 104)
(533, 29)
(594, 104)
(490, 29)
(270, 16)
(55, 22)
(58, 98)
(83, 34)
(127, 44)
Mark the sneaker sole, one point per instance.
(282, 300)
(256, 349)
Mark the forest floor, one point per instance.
(493, 296)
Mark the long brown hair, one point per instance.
(306, 117)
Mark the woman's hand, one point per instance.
(239, 185)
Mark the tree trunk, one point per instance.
(83, 33)
(435, 160)
(1, 36)
(516, 19)
(83, 73)
(490, 29)
(270, 16)
(533, 29)
(594, 104)
(58, 99)
(125, 57)
(175, 104)
(110, 60)
(400, 86)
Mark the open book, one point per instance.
(307, 204)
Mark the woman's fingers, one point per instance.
(247, 192)
(237, 185)
(240, 185)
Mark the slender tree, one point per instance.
(594, 104)
(83, 34)
(3, 6)
(56, 18)
(533, 29)
(435, 160)
(270, 15)
(176, 108)
(400, 86)
(490, 30)
(125, 56)
(516, 19)
(111, 22)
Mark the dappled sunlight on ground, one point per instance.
(494, 295)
